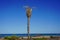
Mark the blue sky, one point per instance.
(45, 17)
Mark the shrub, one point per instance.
(39, 39)
(11, 37)
(7, 37)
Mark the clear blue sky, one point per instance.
(45, 17)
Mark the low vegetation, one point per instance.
(17, 38)
(40, 39)
(11, 38)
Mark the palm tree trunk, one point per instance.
(28, 27)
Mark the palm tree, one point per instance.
(28, 13)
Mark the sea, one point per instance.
(24, 35)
